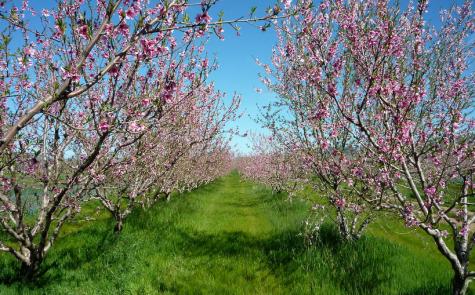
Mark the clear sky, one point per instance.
(238, 71)
(236, 55)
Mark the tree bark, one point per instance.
(119, 225)
(343, 226)
(460, 285)
(28, 271)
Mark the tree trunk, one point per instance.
(343, 226)
(460, 285)
(118, 226)
(28, 271)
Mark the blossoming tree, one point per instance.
(319, 150)
(404, 93)
(82, 83)
(188, 134)
(270, 165)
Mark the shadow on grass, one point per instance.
(357, 268)
(431, 289)
(70, 253)
(362, 267)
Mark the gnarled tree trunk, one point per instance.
(31, 264)
(460, 284)
(119, 225)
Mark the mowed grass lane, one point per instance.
(230, 237)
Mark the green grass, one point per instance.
(231, 237)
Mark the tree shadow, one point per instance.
(280, 252)
(83, 246)
(356, 268)
(359, 267)
(437, 289)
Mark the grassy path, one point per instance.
(233, 207)
(228, 228)
(229, 237)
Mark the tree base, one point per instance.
(460, 285)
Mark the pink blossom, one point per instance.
(114, 70)
(340, 202)
(150, 48)
(123, 29)
(324, 144)
(32, 166)
(464, 230)
(408, 214)
(30, 51)
(104, 126)
(357, 171)
(320, 114)
(204, 63)
(287, 3)
(132, 12)
(83, 31)
(430, 191)
(145, 102)
(108, 30)
(219, 32)
(134, 127)
(203, 18)
(460, 213)
(6, 184)
(70, 74)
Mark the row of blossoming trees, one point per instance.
(103, 101)
(376, 109)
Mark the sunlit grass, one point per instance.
(232, 237)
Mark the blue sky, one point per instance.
(236, 55)
(238, 71)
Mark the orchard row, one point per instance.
(107, 102)
(376, 113)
